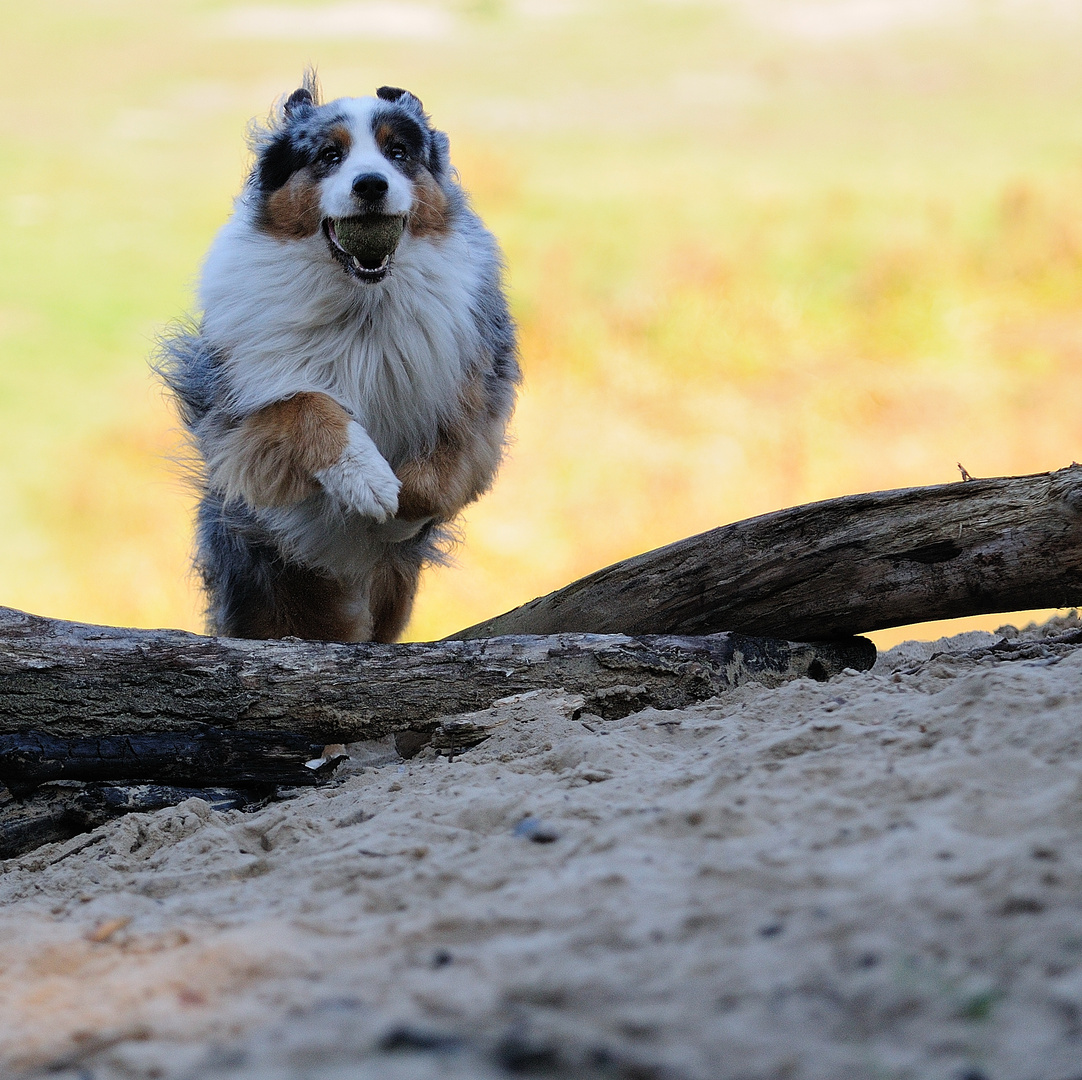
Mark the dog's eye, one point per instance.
(329, 155)
(398, 152)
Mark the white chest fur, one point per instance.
(287, 319)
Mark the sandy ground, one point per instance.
(875, 877)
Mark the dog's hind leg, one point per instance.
(255, 593)
(298, 602)
(394, 585)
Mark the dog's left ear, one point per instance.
(396, 93)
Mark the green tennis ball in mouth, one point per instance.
(370, 239)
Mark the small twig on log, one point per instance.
(840, 567)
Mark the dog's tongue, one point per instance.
(370, 239)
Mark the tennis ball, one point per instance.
(370, 238)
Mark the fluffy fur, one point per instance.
(343, 412)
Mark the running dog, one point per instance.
(349, 383)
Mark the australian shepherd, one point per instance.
(350, 380)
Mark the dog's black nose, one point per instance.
(370, 186)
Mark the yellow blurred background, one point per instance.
(761, 252)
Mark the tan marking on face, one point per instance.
(271, 457)
(429, 214)
(341, 135)
(462, 465)
(293, 211)
(384, 136)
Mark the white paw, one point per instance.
(361, 479)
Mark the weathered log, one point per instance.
(60, 811)
(74, 680)
(840, 567)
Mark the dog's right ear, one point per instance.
(298, 103)
(304, 100)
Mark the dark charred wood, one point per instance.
(60, 811)
(206, 758)
(840, 567)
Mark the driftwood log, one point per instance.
(841, 567)
(81, 702)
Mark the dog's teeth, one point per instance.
(356, 262)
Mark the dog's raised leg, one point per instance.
(288, 450)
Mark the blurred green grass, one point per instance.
(760, 254)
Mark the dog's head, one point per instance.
(359, 171)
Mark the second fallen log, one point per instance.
(839, 567)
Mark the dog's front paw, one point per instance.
(361, 479)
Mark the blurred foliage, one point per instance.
(760, 254)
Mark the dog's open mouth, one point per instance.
(364, 245)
